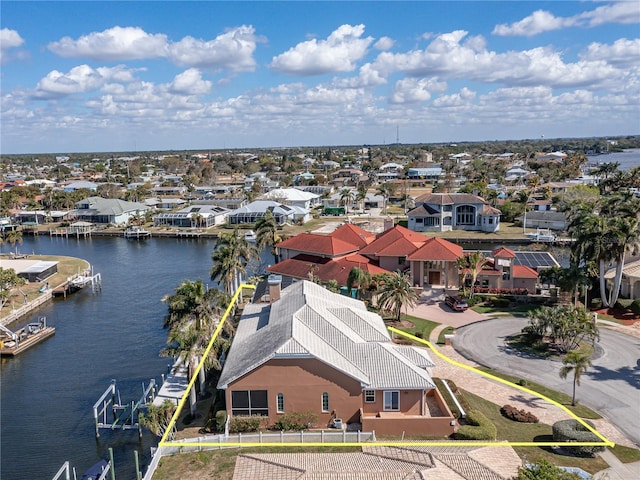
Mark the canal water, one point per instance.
(47, 392)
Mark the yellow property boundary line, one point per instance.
(164, 443)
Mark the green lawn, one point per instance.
(421, 327)
(446, 331)
(530, 432)
(519, 311)
(562, 398)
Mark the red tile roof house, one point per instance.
(500, 273)
(311, 350)
(326, 257)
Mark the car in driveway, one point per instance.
(457, 304)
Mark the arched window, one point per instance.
(325, 402)
(466, 215)
(280, 402)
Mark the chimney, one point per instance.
(388, 224)
(274, 287)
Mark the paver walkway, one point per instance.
(501, 394)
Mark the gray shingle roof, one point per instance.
(310, 322)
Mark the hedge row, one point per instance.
(295, 421)
(573, 431)
(478, 427)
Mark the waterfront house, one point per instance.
(310, 350)
(249, 214)
(443, 212)
(194, 216)
(292, 197)
(107, 210)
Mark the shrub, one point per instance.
(518, 415)
(478, 427)
(295, 421)
(635, 306)
(221, 420)
(500, 302)
(245, 424)
(573, 431)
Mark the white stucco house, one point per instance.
(443, 212)
(107, 210)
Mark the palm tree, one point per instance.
(361, 196)
(189, 304)
(359, 278)
(13, 237)
(346, 197)
(386, 190)
(267, 234)
(578, 363)
(197, 219)
(230, 257)
(396, 291)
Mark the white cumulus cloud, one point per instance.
(624, 12)
(412, 90)
(338, 53)
(232, 50)
(538, 22)
(452, 55)
(8, 39)
(190, 82)
(113, 44)
(621, 52)
(384, 44)
(79, 79)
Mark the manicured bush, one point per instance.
(295, 421)
(573, 431)
(221, 420)
(500, 302)
(478, 427)
(516, 415)
(635, 306)
(245, 424)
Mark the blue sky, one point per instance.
(126, 76)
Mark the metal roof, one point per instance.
(311, 322)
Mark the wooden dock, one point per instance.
(12, 344)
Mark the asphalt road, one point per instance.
(611, 386)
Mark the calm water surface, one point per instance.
(47, 392)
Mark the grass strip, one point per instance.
(562, 398)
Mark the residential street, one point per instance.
(611, 386)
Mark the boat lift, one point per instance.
(123, 416)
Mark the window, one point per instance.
(466, 215)
(392, 400)
(490, 220)
(419, 220)
(325, 402)
(280, 402)
(369, 396)
(249, 402)
(402, 260)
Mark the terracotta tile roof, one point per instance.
(437, 249)
(314, 243)
(351, 233)
(520, 271)
(396, 241)
(487, 209)
(327, 269)
(503, 252)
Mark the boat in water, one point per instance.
(542, 235)
(250, 236)
(136, 233)
(97, 471)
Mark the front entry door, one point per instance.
(434, 278)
